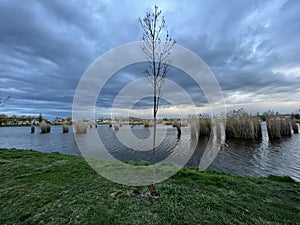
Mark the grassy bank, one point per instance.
(37, 188)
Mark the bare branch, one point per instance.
(3, 100)
(157, 48)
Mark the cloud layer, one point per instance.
(252, 47)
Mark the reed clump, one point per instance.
(277, 127)
(257, 128)
(65, 128)
(116, 127)
(295, 126)
(32, 128)
(273, 128)
(148, 123)
(200, 126)
(80, 127)
(241, 125)
(285, 127)
(45, 127)
(204, 125)
(48, 128)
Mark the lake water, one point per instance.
(245, 158)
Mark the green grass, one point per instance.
(38, 188)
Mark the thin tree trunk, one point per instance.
(153, 187)
(159, 61)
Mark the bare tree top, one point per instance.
(157, 43)
(3, 100)
(157, 48)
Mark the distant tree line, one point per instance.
(15, 120)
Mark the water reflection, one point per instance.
(246, 158)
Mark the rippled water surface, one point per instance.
(244, 158)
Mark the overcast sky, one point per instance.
(252, 47)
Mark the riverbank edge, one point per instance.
(53, 188)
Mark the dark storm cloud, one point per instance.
(255, 50)
(45, 46)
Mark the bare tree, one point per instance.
(3, 100)
(158, 53)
